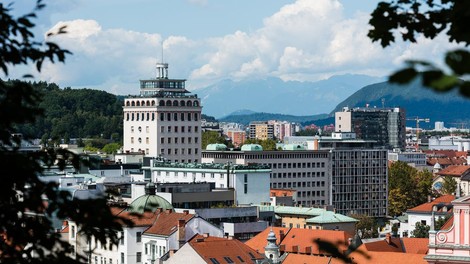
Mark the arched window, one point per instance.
(196, 103)
(189, 116)
(137, 103)
(148, 103)
(162, 103)
(175, 117)
(133, 103)
(182, 116)
(128, 104)
(168, 117)
(168, 103)
(153, 102)
(189, 103)
(175, 103)
(143, 103)
(182, 103)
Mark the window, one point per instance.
(147, 129)
(162, 116)
(138, 237)
(122, 239)
(189, 129)
(196, 129)
(73, 231)
(214, 261)
(168, 117)
(169, 129)
(162, 140)
(132, 129)
(138, 257)
(189, 140)
(196, 139)
(122, 258)
(195, 117)
(182, 116)
(162, 129)
(182, 129)
(228, 259)
(147, 140)
(189, 116)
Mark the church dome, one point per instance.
(216, 147)
(149, 203)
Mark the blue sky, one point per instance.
(117, 42)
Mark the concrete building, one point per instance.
(250, 182)
(384, 125)
(305, 171)
(237, 137)
(261, 130)
(163, 120)
(414, 159)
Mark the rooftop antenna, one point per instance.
(383, 102)
(162, 68)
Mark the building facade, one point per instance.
(163, 120)
(305, 171)
(387, 126)
(261, 130)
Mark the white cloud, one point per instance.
(305, 40)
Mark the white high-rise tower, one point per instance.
(164, 120)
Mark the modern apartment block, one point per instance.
(387, 126)
(238, 137)
(261, 130)
(305, 171)
(163, 120)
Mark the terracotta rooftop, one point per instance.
(299, 240)
(427, 207)
(167, 223)
(454, 170)
(223, 250)
(282, 192)
(358, 258)
(404, 245)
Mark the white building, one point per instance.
(163, 120)
(156, 232)
(415, 159)
(250, 182)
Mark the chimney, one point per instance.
(181, 232)
(429, 199)
(185, 212)
(281, 235)
(205, 235)
(282, 248)
(295, 249)
(168, 211)
(388, 238)
(308, 250)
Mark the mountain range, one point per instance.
(418, 102)
(273, 95)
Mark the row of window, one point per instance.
(147, 116)
(278, 155)
(177, 129)
(162, 103)
(307, 184)
(307, 174)
(298, 165)
(175, 151)
(177, 140)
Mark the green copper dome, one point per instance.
(252, 147)
(149, 203)
(216, 147)
(293, 147)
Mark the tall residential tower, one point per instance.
(164, 120)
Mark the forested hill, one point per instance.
(76, 113)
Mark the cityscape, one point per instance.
(174, 172)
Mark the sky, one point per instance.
(116, 43)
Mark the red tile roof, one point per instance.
(259, 241)
(427, 207)
(358, 258)
(167, 223)
(299, 240)
(220, 248)
(282, 192)
(404, 245)
(454, 170)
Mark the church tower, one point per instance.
(272, 249)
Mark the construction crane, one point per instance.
(417, 120)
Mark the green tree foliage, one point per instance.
(428, 18)
(214, 137)
(440, 221)
(111, 148)
(75, 113)
(407, 187)
(27, 234)
(420, 231)
(367, 227)
(267, 144)
(449, 186)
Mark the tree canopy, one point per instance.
(407, 187)
(427, 18)
(27, 234)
